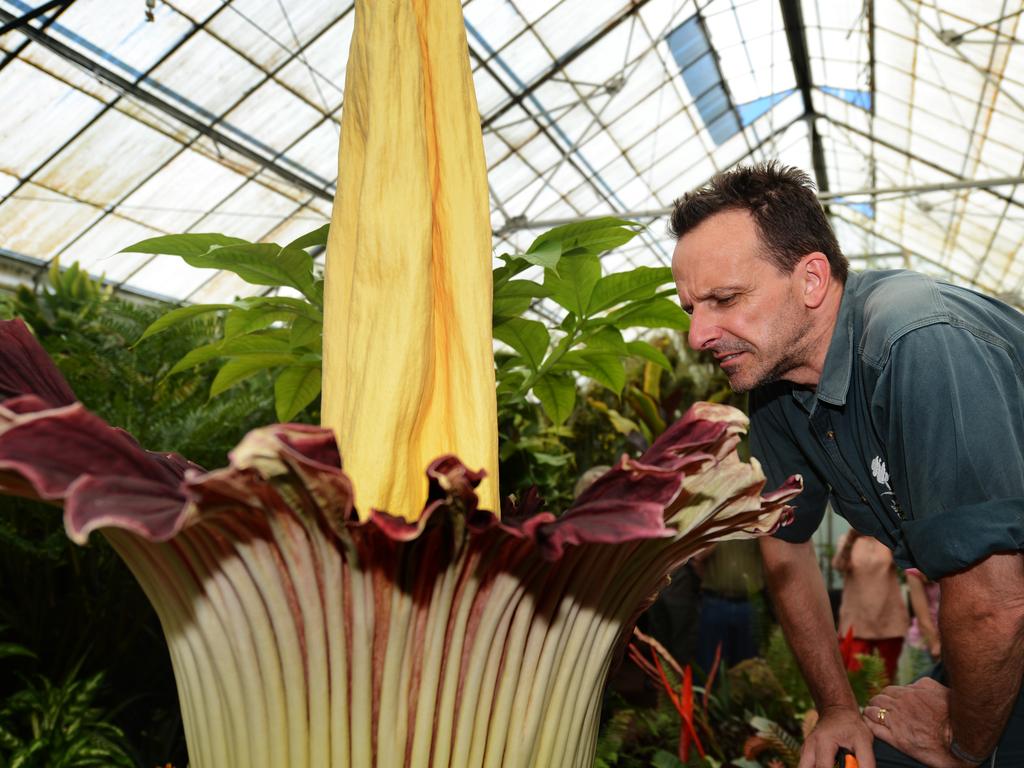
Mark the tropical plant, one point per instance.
(381, 615)
(284, 333)
(48, 725)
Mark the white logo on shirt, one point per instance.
(881, 475)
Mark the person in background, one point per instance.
(731, 578)
(872, 606)
(923, 647)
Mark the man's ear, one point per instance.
(815, 275)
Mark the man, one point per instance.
(903, 399)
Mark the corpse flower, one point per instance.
(384, 614)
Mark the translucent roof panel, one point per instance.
(224, 116)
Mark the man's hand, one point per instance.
(838, 727)
(915, 720)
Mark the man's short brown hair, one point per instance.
(782, 201)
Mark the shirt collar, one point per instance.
(834, 383)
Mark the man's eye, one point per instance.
(724, 301)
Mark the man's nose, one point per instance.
(702, 331)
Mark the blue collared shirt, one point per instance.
(916, 428)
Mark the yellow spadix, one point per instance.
(408, 358)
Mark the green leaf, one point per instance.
(527, 337)
(557, 395)
(663, 759)
(294, 389)
(620, 423)
(571, 361)
(607, 340)
(262, 264)
(240, 321)
(639, 283)
(181, 315)
(573, 284)
(310, 239)
(593, 237)
(197, 356)
(649, 352)
(546, 254)
(257, 263)
(249, 344)
(284, 303)
(606, 369)
(193, 244)
(240, 368)
(658, 312)
(306, 333)
(514, 297)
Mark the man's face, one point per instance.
(742, 308)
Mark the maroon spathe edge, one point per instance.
(105, 479)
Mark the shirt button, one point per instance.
(830, 435)
(863, 499)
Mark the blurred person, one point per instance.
(730, 580)
(872, 606)
(923, 646)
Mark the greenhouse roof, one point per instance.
(221, 116)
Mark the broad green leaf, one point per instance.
(306, 333)
(249, 344)
(316, 237)
(639, 283)
(571, 361)
(658, 312)
(196, 357)
(593, 237)
(294, 389)
(546, 254)
(181, 315)
(272, 341)
(193, 244)
(527, 337)
(649, 352)
(573, 284)
(607, 340)
(240, 368)
(285, 303)
(262, 264)
(241, 321)
(514, 297)
(606, 369)
(557, 395)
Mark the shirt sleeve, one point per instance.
(772, 443)
(952, 405)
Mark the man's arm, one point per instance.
(983, 601)
(801, 602)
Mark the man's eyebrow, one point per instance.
(718, 291)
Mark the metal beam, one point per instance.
(918, 159)
(796, 36)
(127, 86)
(563, 61)
(21, 21)
(656, 213)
